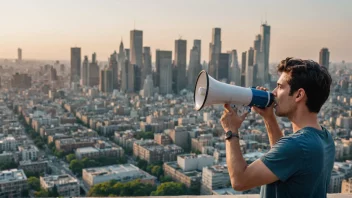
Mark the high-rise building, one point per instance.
(84, 73)
(324, 57)
(93, 72)
(180, 64)
(106, 81)
(249, 67)
(214, 51)
(75, 64)
(147, 64)
(21, 81)
(114, 67)
(265, 49)
(53, 74)
(121, 59)
(194, 65)
(259, 69)
(148, 87)
(198, 44)
(62, 69)
(243, 68)
(136, 45)
(124, 76)
(137, 72)
(19, 54)
(127, 52)
(164, 66)
(234, 71)
(223, 68)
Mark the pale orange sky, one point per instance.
(48, 29)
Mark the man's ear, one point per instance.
(300, 94)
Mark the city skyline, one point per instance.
(95, 27)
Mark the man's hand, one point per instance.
(230, 121)
(267, 112)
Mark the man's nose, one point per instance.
(274, 92)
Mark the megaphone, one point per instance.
(209, 91)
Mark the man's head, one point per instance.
(303, 85)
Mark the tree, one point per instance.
(142, 164)
(33, 183)
(70, 157)
(132, 188)
(8, 165)
(76, 166)
(170, 189)
(41, 193)
(32, 174)
(157, 171)
(166, 178)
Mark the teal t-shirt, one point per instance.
(303, 162)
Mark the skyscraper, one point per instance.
(121, 59)
(265, 49)
(243, 68)
(259, 72)
(214, 51)
(75, 64)
(84, 73)
(19, 54)
(127, 52)
(194, 66)
(164, 66)
(148, 89)
(93, 72)
(198, 44)
(106, 81)
(147, 65)
(53, 74)
(249, 68)
(234, 71)
(180, 63)
(114, 67)
(324, 57)
(136, 45)
(223, 68)
(124, 76)
(147, 61)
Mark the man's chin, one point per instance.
(278, 114)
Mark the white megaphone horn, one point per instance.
(209, 91)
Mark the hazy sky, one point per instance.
(47, 29)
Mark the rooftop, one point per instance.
(59, 180)
(12, 175)
(114, 169)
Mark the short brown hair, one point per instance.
(310, 76)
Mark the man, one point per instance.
(298, 165)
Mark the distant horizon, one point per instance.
(50, 29)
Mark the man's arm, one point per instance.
(271, 125)
(242, 176)
(273, 130)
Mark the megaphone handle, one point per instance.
(241, 109)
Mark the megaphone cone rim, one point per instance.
(195, 89)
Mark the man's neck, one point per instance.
(304, 118)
